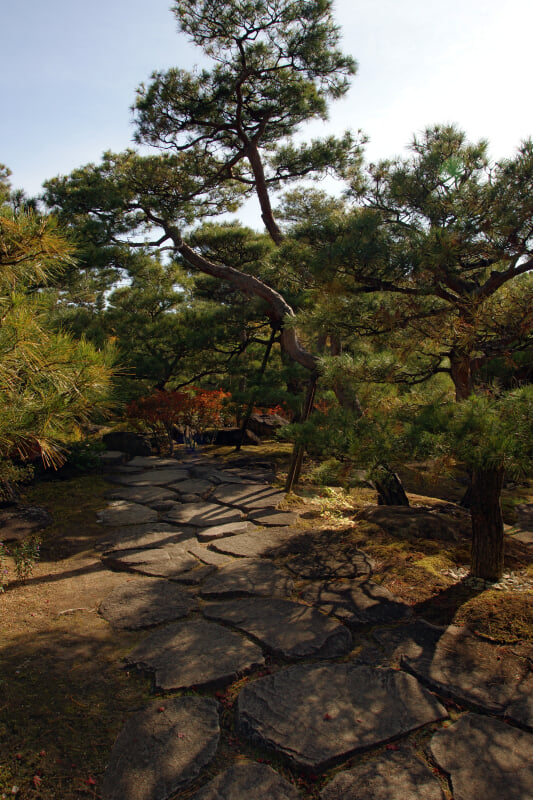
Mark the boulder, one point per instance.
(135, 444)
(266, 424)
(413, 523)
(230, 437)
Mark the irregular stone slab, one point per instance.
(318, 714)
(255, 543)
(162, 749)
(326, 555)
(122, 512)
(287, 629)
(471, 670)
(216, 476)
(112, 458)
(155, 462)
(520, 709)
(247, 781)
(137, 537)
(122, 469)
(526, 537)
(485, 758)
(203, 515)
(253, 576)
(272, 517)
(142, 494)
(209, 556)
(221, 531)
(165, 562)
(249, 497)
(192, 486)
(357, 604)
(412, 639)
(163, 506)
(154, 477)
(195, 653)
(146, 602)
(393, 774)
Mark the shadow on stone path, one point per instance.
(341, 672)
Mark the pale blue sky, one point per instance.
(69, 69)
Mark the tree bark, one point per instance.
(461, 375)
(487, 524)
(280, 310)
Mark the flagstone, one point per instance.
(485, 758)
(285, 628)
(250, 576)
(203, 515)
(316, 715)
(195, 653)
(162, 749)
(146, 602)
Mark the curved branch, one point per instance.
(280, 310)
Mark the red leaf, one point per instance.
(37, 780)
(327, 716)
(90, 781)
(392, 747)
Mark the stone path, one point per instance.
(332, 678)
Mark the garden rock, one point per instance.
(266, 424)
(228, 437)
(122, 512)
(195, 653)
(287, 629)
(397, 774)
(248, 782)
(414, 523)
(162, 749)
(145, 602)
(249, 577)
(485, 758)
(357, 604)
(128, 442)
(318, 714)
(203, 515)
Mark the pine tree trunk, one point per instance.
(487, 524)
